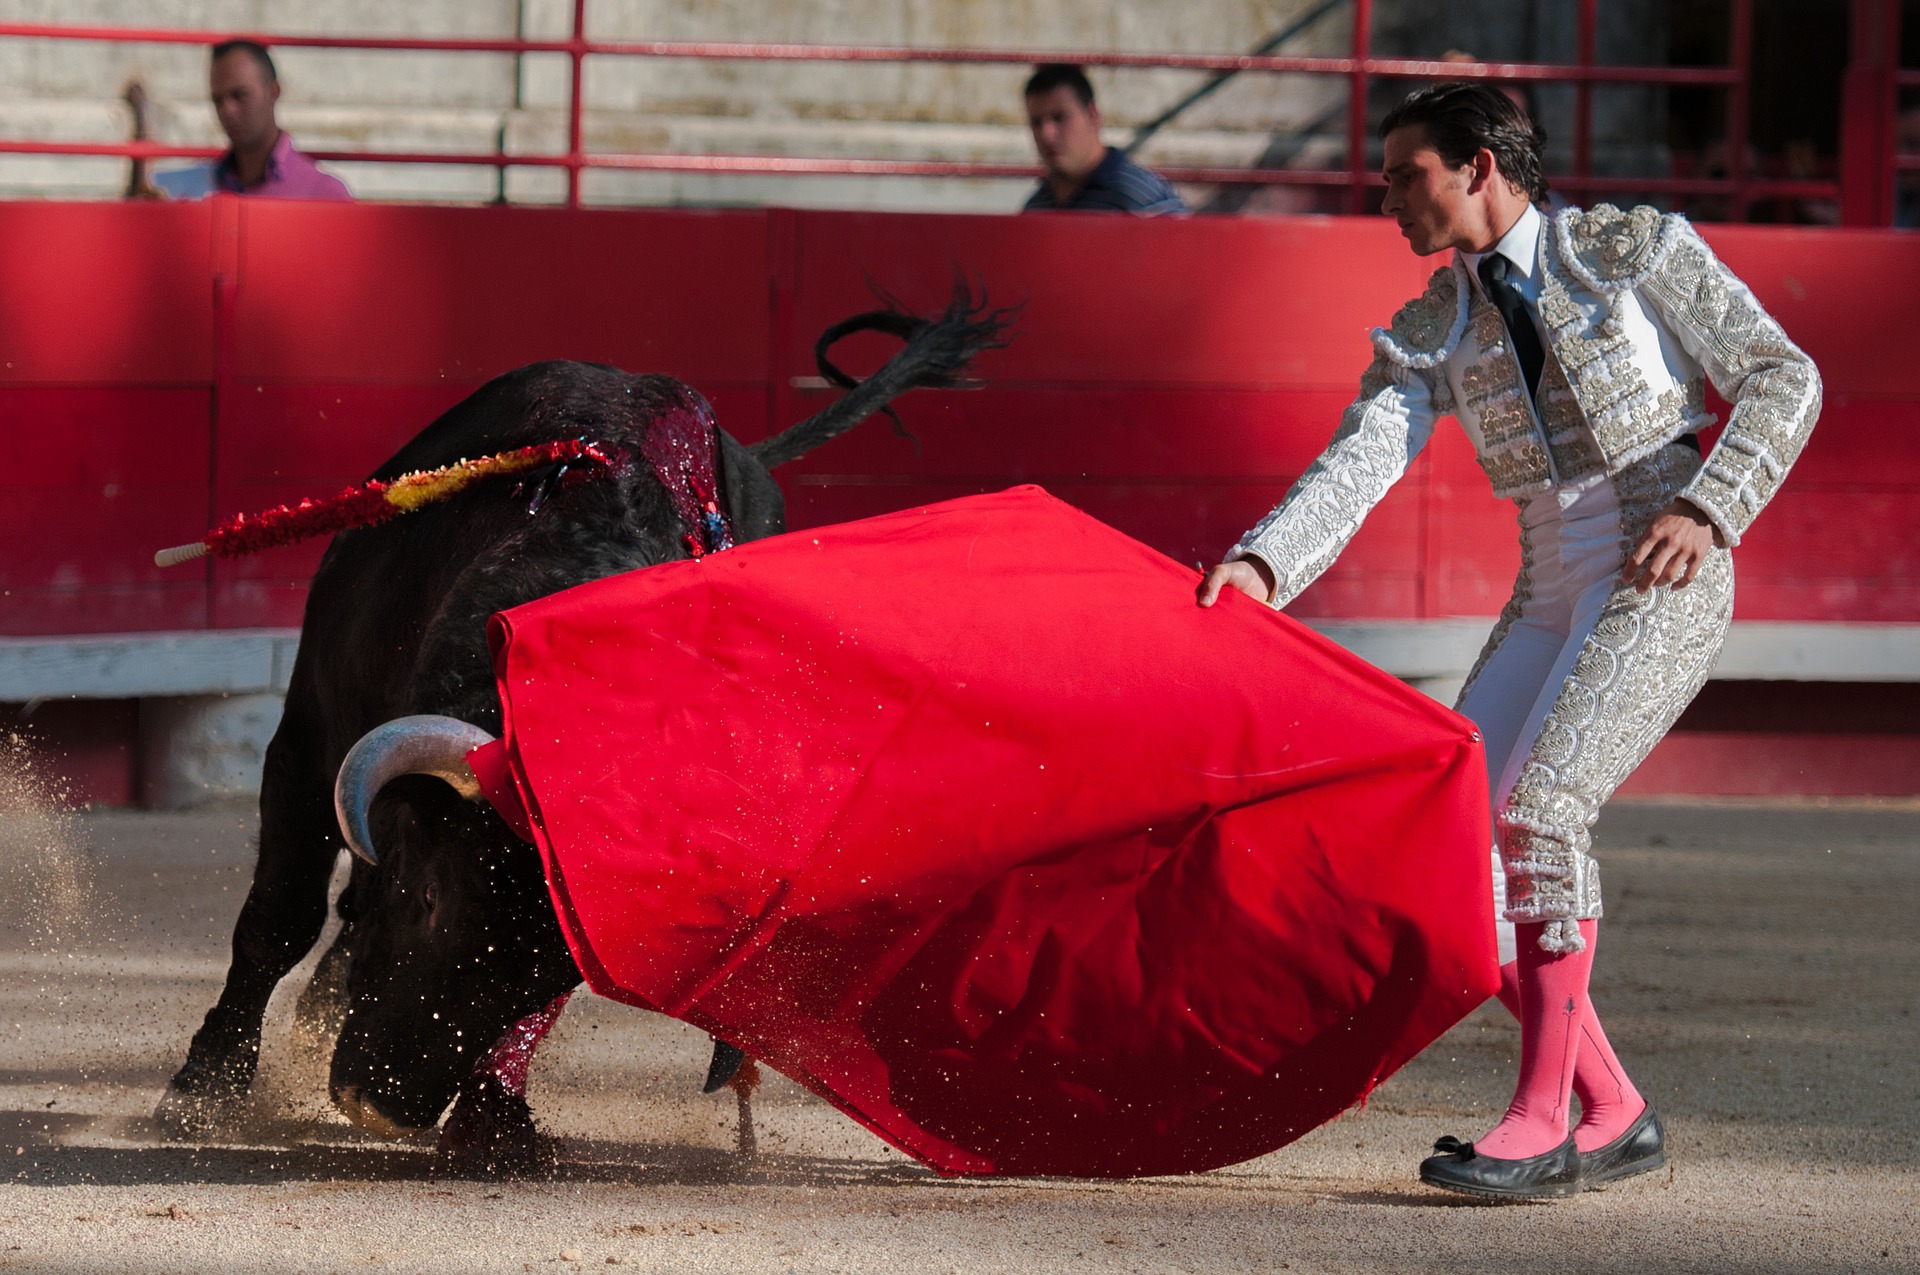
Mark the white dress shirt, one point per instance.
(1521, 247)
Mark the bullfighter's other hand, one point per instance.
(1249, 575)
(1672, 550)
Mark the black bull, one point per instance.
(452, 938)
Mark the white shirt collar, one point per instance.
(1520, 245)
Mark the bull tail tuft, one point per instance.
(936, 355)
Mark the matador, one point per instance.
(1574, 350)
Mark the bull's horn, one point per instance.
(422, 745)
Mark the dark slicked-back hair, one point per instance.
(253, 49)
(1045, 79)
(1461, 120)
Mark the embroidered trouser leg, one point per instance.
(1581, 679)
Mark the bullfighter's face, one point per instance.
(454, 940)
(1437, 205)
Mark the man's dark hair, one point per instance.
(253, 49)
(1054, 75)
(1461, 120)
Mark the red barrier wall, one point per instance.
(169, 364)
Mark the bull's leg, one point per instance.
(491, 1128)
(283, 915)
(745, 1079)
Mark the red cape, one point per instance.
(969, 820)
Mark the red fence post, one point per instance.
(1588, 40)
(1866, 114)
(577, 54)
(783, 281)
(1357, 106)
(1740, 56)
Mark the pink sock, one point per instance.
(1553, 993)
(1608, 1100)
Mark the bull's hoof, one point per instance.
(184, 1116)
(725, 1065)
(205, 1097)
(491, 1133)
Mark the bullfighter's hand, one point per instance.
(1249, 575)
(1672, 550)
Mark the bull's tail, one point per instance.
(936, 355)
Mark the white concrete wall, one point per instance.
(450, 102)
(209, 702)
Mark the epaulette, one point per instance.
(1426, 329)
(1609, 250)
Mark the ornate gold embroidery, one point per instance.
(1511, 450)
(1517, 473)
(1621, 411)
(1426, 328)
(1568, 439)
(1612, 244)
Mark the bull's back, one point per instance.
(395, 616)
(381, 592)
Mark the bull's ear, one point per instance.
(420, 745)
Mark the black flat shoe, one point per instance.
(1642, 1147)
(1552, 1175)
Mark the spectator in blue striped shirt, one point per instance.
(1083, 173)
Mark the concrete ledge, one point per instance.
(259, 661)
(1755, 651)
(138, 665)
(1413, 649)
(1763, 651)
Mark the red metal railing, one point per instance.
(1866, 201)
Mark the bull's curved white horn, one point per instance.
(425, 744)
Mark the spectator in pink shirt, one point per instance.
(261, 158)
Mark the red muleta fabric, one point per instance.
(969, 820)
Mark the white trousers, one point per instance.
(1580, 680)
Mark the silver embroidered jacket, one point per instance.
(1637, 311)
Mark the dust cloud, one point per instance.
(46, 883)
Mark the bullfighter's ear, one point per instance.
(420, 745)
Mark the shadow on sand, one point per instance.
(51, 1148)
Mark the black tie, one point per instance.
(1513, 308)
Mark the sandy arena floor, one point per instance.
(1759, 971)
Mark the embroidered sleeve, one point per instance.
(1378, 438)
(1773, 386)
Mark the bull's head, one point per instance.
(454, 935)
